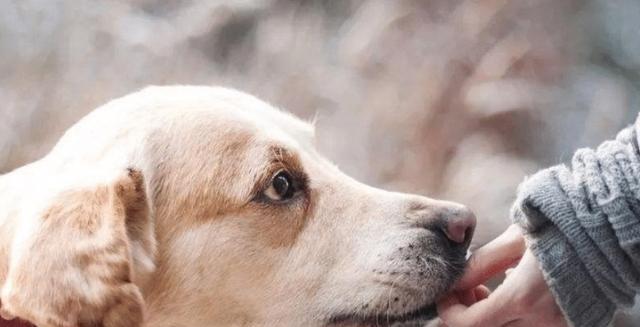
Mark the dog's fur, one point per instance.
(151, 211)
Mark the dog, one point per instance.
(203, 206)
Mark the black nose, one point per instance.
(457, 225)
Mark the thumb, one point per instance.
(493, 258)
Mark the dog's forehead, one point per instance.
(238, 107)
(272, 121)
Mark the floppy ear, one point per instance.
(82, 261)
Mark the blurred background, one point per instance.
(458, 99)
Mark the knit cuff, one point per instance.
(541, 204)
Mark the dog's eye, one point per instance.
(281, 188)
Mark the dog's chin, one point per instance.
(418, 317)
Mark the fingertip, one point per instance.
(493, 258)
(481, 292)
(467, 297)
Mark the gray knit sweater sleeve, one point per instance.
(583, 224)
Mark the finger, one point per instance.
(471, 296)
(467, 297)
(481, 292)
(487, 312)
(493, 258)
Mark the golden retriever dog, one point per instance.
(199, 206)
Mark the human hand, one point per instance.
(522, 300)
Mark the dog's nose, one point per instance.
(459, 225)
(453, 221)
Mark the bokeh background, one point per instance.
(457, 99)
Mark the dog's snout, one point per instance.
(458, 226)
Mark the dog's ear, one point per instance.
(83, 259)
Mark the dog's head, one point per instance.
(254, 226)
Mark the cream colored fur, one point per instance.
(144, 214)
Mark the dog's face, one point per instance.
(254, 227)
(262, 228)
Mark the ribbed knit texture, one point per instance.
(583, 224)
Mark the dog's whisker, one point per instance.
(391, 289)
